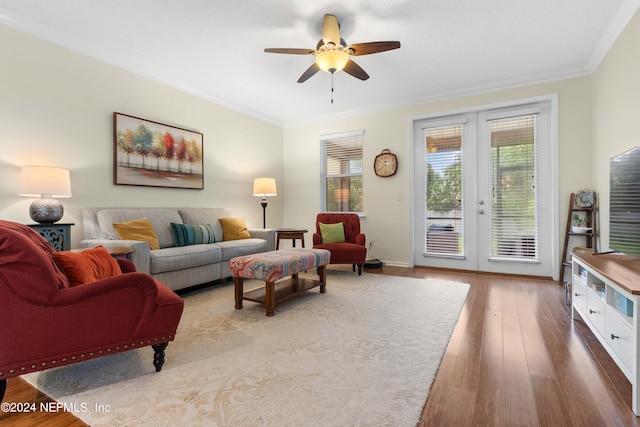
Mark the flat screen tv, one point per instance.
(624, 202)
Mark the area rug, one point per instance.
(363, 354)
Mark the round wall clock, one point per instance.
(385, 164)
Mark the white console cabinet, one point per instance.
(605, 291)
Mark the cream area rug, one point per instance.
(363, 354)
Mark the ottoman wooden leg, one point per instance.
(238, 282)
(270, 298)
(322, 272)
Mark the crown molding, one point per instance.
(611, 34)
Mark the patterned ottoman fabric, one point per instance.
(274, 265)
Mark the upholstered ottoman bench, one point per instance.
(273, 266)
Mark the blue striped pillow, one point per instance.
(185, 235)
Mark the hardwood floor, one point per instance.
(515, 358)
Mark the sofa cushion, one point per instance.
(171, 259)
(205, 216)
(234, 229)
(87, 266)
(186, 234)
(138, 229)
(160, 218)
(234, 248)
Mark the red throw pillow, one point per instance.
(88, 265)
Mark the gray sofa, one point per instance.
(177, 267)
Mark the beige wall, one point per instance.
(388, 200)
(56, 109)
(616, 108)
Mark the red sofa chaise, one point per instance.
(45, 322)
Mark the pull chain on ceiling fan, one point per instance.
(332, 53)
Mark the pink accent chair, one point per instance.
(46, 323)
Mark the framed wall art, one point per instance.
(152, 154)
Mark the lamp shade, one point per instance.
(264, 187)
(38, 181)
(45, 182)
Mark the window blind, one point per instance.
(513, 168)
(341, 172)
(443, 183)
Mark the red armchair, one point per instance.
(352, 250)
(45, 322)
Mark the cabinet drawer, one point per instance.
(623, 341)
(579, 295)
(595, 310)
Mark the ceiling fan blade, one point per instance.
(331, 30)
(373, 47)
(310, 72)
(355, 70)
(290, 51)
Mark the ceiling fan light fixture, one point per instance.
(332, 60)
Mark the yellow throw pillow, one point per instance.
(234, 229)
(138, 229)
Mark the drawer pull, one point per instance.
(592, 311)
(577, 294)
(613, 337)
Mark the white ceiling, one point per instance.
(215, 48)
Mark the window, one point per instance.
(444, 218)
(514, 219)
(341, 172)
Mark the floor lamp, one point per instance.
(264, 187)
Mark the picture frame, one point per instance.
(152, 154)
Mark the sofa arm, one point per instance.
(141, 257)
(126, 266)
(361, 239)
(267, 234)
(317, 239)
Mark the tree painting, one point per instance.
(157, 155)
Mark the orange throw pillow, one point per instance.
(88, 265)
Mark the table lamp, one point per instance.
(45, 182)
(264, 187)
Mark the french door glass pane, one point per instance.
(443, 183)
(514, 219)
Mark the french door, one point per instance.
(483, 185)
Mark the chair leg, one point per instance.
(3, 388)
(354, 267)
(359, 269)
(158, 356)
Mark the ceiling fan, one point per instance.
(332, 53)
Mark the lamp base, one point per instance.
(46, 211)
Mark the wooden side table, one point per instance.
(114, 251)
(59, 235)
(291, 234)
(121, 251)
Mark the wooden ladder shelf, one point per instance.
(591, 236)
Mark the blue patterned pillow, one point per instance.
(185, 235)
